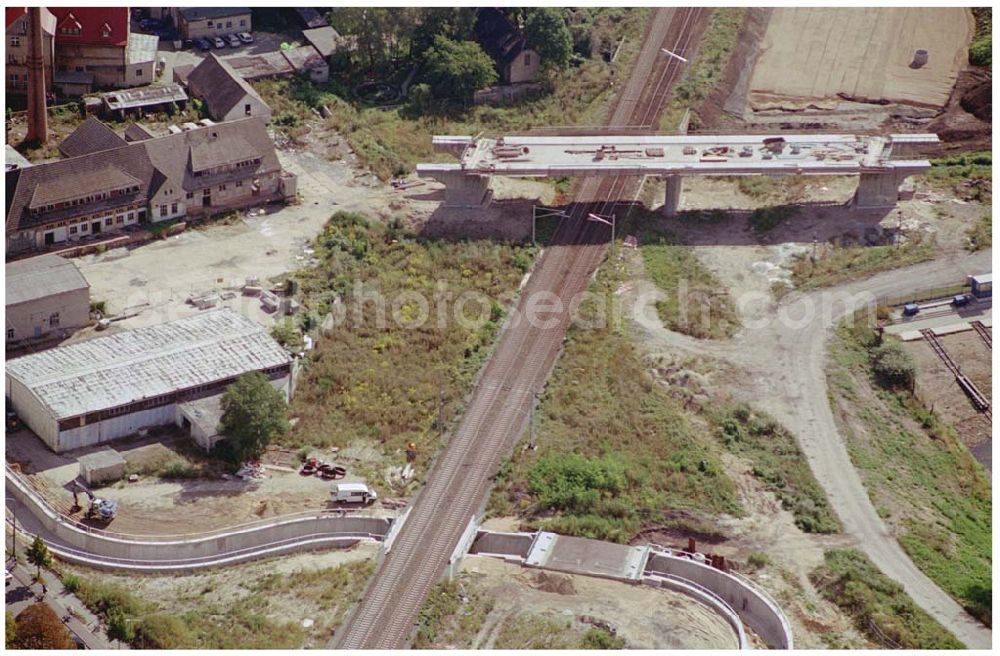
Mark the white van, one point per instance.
(353, 493)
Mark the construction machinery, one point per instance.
(101, 509)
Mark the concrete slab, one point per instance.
(945, 321)
(590, 557)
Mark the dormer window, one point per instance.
(105, 30)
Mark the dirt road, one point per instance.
(783, 350)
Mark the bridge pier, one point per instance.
(464, 190)
(672, 196)
(878, 189)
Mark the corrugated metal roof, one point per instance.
(130, 366)
(983, 278)
(38, 277)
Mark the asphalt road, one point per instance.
(785, 352)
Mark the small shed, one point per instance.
(200, 418)
(102, 467)
(982, 285)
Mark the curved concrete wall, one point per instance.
(197, 550)
(706, 597)
(753, 605)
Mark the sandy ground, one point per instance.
(937, 388)
(864, 53)
(648, 618)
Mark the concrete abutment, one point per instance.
(672, 196)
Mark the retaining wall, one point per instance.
(753, 606)
(240, 543)
(490, 543)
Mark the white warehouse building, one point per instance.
(113, 386)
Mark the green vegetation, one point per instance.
(893, 365)
(416, 321)
(879, 606)
(777, 462)
(253, 413)
(546, 32)
(695, 302)
(596, 638)
(981, 234)
(981, 48)
(838, 264)
(38, 627)
(757, 186)
(243, 621)
(927, 486)
(968, 175)
(10, 632)
(181, 460)
(285, 334)
(38, 555)
(636, 459)
(529, 631)
(456, 69)
(758, 560)
(705, 71)
(391, 140)
(441, 624)
(765, 219)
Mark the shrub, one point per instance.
(38, 627)
(573, 482)
(597, 638)
(180, 469)
(758, 560)
(71, 582)
(893, 365)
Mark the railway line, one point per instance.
(499, 406)
(984, 333)
(978, 398)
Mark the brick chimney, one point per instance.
(38, 120)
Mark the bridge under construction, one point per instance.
(881, 162)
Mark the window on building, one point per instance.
(246, 109)
(84, 227)
(222, 187)
(163, 210)
(10, 333)
(131, 216)
(72, 230)
(209, 23)
(53, 319)
(173, 208)
(229, 23)
(243, 23)
(15, 41)
(105, 32)
(107, 221)
(189, 195)
(11, 59)
(138, 72)
(527, 59)
(239, 183)
(13, 77)
(120, 219)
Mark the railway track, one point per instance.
(985, 333)
(499, 406)
(978, 398)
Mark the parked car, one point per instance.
(150, 23)
(961, 299)
(203, 44)
(234, 41)
(245, 37)
(187, 44)
(910, 309)
(218, 42)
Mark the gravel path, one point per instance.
(783, 350)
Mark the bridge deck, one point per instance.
(786, 154)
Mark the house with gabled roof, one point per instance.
(226, 94)
(503, 42)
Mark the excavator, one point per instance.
(101, 509)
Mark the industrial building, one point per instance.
(114, 386)
(44, 295)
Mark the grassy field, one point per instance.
(696, 303)
(200, 619)
(705, 70)
(777, 462)
(838, 264)
(981, 48)
(391, 140)
(614, 451)
(968, 175)
(981, 234)
(922, 480)
(384, 376)
(878, 605)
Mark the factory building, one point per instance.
(116, 385)
(44, 295)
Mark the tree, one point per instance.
(38, 555)
(456, 69)
(455, 23)
(253, 412)
(38, 627)
(546, 32)
(893, 365)
(10, 633)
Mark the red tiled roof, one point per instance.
(92, 22)
(13, 13)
